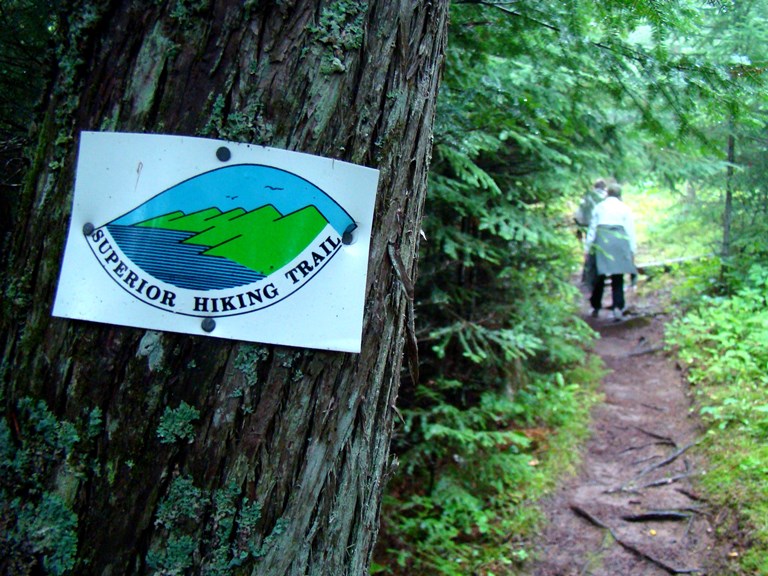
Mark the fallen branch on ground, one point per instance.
(666, 265)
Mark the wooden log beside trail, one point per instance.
(650, 268)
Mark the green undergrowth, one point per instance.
(664, 218)
(722, 342)
(463, 501)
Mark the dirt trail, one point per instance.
(632, 510)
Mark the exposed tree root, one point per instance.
(668, 460)
(658, 516)
(665, 481)
(665, 439)
(691, 494)
(647, 351)
(627, 546)
(642, 446)
(630, 487)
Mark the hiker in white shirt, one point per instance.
(611, 242)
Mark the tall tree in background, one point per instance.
(125, 451)
(732, 35)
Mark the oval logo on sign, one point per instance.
(229, 241)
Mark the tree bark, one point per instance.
(282, 470)
(728, 208)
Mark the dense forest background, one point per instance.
(539, 99)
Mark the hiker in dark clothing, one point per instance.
(583, 214)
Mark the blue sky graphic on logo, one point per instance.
(246, 186)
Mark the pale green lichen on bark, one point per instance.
(70, 63)
(245, 125)
(287, 357)
(339, 30)
(40, 474)
(176, 424)
(280, 527)
(182, 506)
(185, 10)
(225, 509)
(232, 542)
(49, 528)
(247, 360)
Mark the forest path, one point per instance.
(632, 510)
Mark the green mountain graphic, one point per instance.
(263, 240)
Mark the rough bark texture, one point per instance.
(282, 470)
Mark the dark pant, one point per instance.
(617, 291)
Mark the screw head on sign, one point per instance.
(348, 238)
(223, 154)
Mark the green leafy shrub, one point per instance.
(466, 486)
(722, 342)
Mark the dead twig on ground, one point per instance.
(687, 532)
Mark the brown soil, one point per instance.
(633, 508)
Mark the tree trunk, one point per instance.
(728, 208)
(125, 451)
